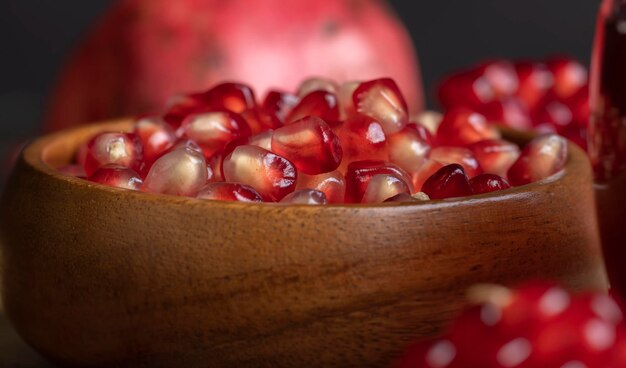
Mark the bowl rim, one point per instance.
(33, 155)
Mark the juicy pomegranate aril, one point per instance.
(332, 184)
(322, 104)
(381, 100)
(310, 144)
(543, 157)
(448, 182)
(117, 176)
(213, 130)
(305, 196)
(156, 137)
(229, 192)
(123, 149)
(487, 183)
(271, 175)
(462, 127)
(360, 174)
(182, 172)
(384, 186)
(235, 97)
(495, 156)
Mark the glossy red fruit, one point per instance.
(424, 133)
(361, 138)
(271, 175)
(229, 192)
(305, 196)
(235, 97)
(317, 84)
(401, 198)
(510, 112)
(462, 127)
(382, 101)
(280, 103)
(448, 182)
(554, 113)
(117, 176)
(75, 170)
(457, 155)
(346, 102)
(428, 169)
(156, 137)
(543, 157)
(332, 184)
(502, 77)
(495, 156)
(321, 104)
(182, 171)
(180, 106)
(487, 183)
(570, 76)
(468, 89)
(310, 144)
(213, 130)
(408, 149)
(579, 105)
(121, 149)
(384, 186)
(360, 173)
(258, 120)
(535, 81)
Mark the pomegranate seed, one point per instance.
(579, 105)
(495, 156)
(280, 103)
(361, 139)
(424, 133)
(305, 196)
(543, 157)
(462, 127)
(213, 130)
(317, 84)
(181, 106)
(384, 186)
(73, 170)
(535, 81)
(332, 184)
(234, 97)
(346, 103)
(427, 170)
(457, 155)
(360, 173)
(382, 101)
(182, 172)
(271, 175)
(554, 113)
(466, 89)
(569, 77)
(510, 112)
(310, 144)
(121, 149)
(215, 166)
(502, 77)
(402, 198)
(429, 120)
(408, 149)
(117, 176)
(487, 183)
(448, 182)
(156, 137)
(229, 192)
(258, 120)
(318, 103)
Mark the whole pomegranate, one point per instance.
(144, 51)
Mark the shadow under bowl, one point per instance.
(99, 276)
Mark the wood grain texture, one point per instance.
(98, 276)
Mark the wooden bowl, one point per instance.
(99, 276)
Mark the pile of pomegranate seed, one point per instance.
(329, 143)
(536, 326)
(547, 97)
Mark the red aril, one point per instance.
(332, 184)
(425, 171)
(501, 76)
(117, 176)
(259, 120)
(235, 97)
(360, 173)
(448, 182)
(466, 89)
(182, 171)
(569, 76)
(510, 112)
(554, 113)
(321, 104)
(181, 106)
(271, 175)
(305, 196)
(495, 156)
(280, 104)
(123, 149)
(487, 183)
(579, 105)
(317, 84)
(535, 81)
(408, 149)
(543, 157)
(229, 192)
(361, 138)
(346, 102)
(462, 127)
(457, 155)
(382, 101)
(310, 144)
(213, 130)
(384, 186)
(156, 137)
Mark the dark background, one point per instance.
(36, 34)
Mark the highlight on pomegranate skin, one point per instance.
(330, 143)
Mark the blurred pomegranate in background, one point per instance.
(144, 51)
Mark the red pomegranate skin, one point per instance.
(144, 51)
